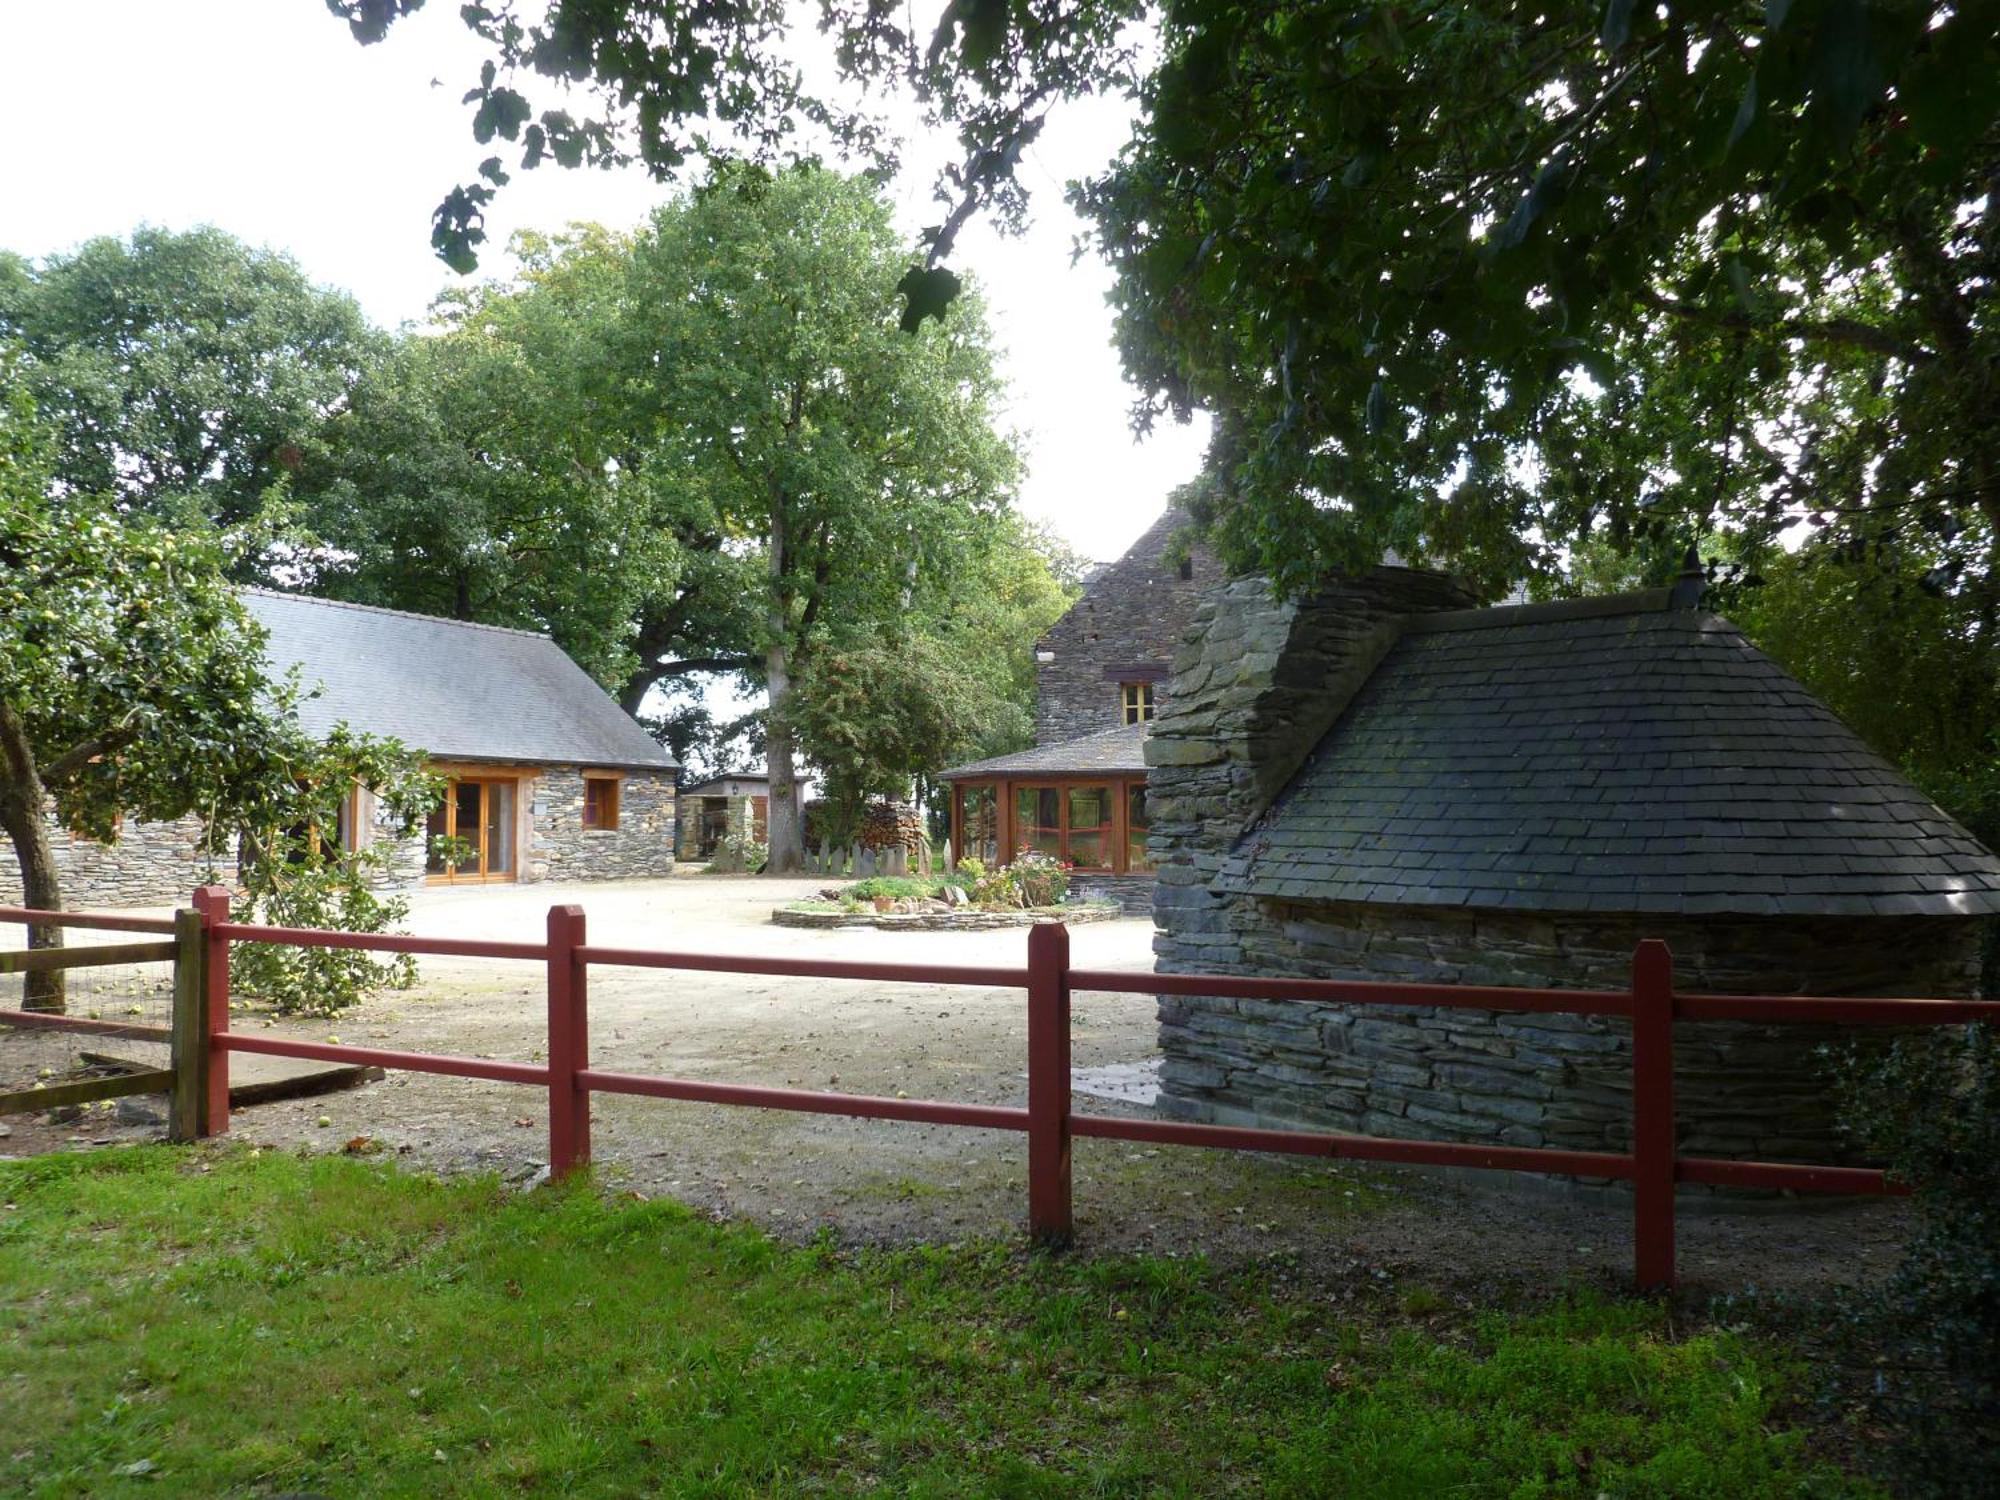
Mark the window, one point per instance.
(600, 802)
(1088, 837)
(1138, 701)
(1038, 819)
(1073, 823)
(1187, 570)
(979, 824)
(1137, 860)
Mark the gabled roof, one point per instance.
(454, 690)
(1606, 755)
(1109, 751)
(695, 788)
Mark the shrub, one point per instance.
(1924, 1346)
(1042, 878)
(740, 852)
(894, 887)
(995, 888)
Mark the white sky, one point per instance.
(265, 118)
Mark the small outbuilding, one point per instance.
(723, 807)
(1376, 785)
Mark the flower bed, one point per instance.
(936, 916)
(1033, 888)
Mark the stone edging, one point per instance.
(944, 921)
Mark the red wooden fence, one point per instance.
(1651, 1005)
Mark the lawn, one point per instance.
(197, 1322)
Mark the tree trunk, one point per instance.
(786, 823)
(21, 802)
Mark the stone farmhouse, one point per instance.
(1382, 783)
(548, 778)
(1100, 680)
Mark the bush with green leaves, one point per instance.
(1042, 879)
(895, 888)
(297, 873)
(1921, 1351)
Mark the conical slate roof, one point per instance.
(1604, 756)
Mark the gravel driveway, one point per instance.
(883, 1181)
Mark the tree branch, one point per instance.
(1848, 331)
(75, 759)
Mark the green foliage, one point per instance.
(894, 888)
(1925, 1345)
(184, 374)
(345, 1322)
(132, 684)
(297, 874)
(1041, 879)
(491, 469)
(1472, 282)
(1033, 880)
(860, 465)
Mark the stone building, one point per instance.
(547, 777)
(1382, 784)
(1100, 678)
(723, 807)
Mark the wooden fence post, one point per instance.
(1653, 1143)
(569, 1043)
(212, 902)
(187, 1107)
(1049, 1199)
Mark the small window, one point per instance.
(600, 802)
(1187, 570)
(1138, 701)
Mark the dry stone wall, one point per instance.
(1256, 684)
(1133, 615)
(1536, 1080)
(561, 848)
(1255, 689)
(150, 864)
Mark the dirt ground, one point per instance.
(868, 1181)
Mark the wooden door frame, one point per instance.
(484, 777)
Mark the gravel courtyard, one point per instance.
(883, 1181)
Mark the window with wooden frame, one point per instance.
(1137, 859)
(471, 834)
(1071, 822)
(1137, 700)
(600, 802)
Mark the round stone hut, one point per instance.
(1369, 786)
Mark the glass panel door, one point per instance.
(497, 847)
(1090, 827)
(480, 815)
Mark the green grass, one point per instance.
(248, 1323)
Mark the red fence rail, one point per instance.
(1652, 1005)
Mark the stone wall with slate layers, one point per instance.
(1439, 822)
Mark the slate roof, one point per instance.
(1613, 755)
(454, 690)
(1109, 751)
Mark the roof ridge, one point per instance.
(382, 609)
(1591, 607)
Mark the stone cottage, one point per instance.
(1100, 680)
(547, 777)
(1383, 784)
